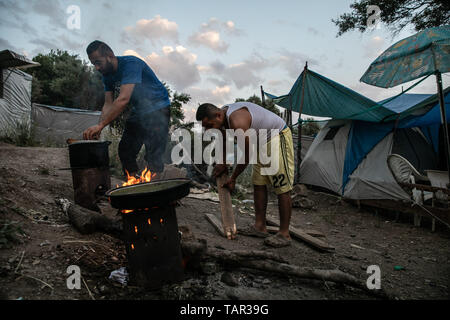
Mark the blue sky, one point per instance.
(216, 51)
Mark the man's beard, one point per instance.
(109, 69)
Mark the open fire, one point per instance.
(150, 228)
(146, 176)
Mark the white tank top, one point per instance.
(261, 117)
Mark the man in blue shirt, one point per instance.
(148, 122)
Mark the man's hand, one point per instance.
(92, 133)
(219, 169)
(230, 184)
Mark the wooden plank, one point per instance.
(313, 233)
(442, 214)
(226, 208)
(215, 223)
(302, 235)
(425, 187)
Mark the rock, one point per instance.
(209, 268)
(172, 172)
(300, 190)
(301, 202)
(229, 279)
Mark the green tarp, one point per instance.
(322, 97)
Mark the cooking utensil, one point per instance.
(149, 194)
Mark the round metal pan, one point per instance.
(149, 194)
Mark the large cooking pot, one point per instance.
(89, 154)
(149, 194)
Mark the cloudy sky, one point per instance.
(216, 51)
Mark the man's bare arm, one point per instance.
(112, 110)
(241, 119)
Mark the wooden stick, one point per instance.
(300, 234)
(20, 262)
(226, 208)
(313, 233)
(45, 283)
(89, 291)
(216, 223)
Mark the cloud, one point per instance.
(209, 39)
(217, 96)
(51, 9)
(314, 31)
(231, 29)
(177, 66)
(374, 47)
(293, 62)
(153, 29)
(5, 44)
(209, 34)
(243, 74)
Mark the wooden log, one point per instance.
(241, 255)
(226, 208)
(270, 262)
(87, 221)
(442, 214)
(313, 233)
(300, 234)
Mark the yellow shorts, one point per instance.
(283, 179)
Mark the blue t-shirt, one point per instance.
(149, 93)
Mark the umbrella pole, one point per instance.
(444, 121)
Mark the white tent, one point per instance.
(324, 163)
(54, 125)
(15, 90)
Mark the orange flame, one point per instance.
(146, 176)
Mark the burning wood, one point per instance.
(146, 176)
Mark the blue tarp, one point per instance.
(364, 135)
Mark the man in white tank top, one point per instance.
(247, 115)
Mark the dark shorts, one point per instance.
(152, 131)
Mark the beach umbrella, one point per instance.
(425, 53)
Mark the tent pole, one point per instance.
(263, 99)
(299, 127)
(444, 122)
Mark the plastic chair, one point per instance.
(404, 172)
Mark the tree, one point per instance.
(269, 105)
(396, 14)
(310, 127)
(67, 81)
(176, 108)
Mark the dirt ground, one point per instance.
(414, 262)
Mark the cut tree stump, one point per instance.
(302, 235)
(226, 208)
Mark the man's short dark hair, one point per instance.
(206, 110)
(102, 47)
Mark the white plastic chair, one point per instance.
(403, 171)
